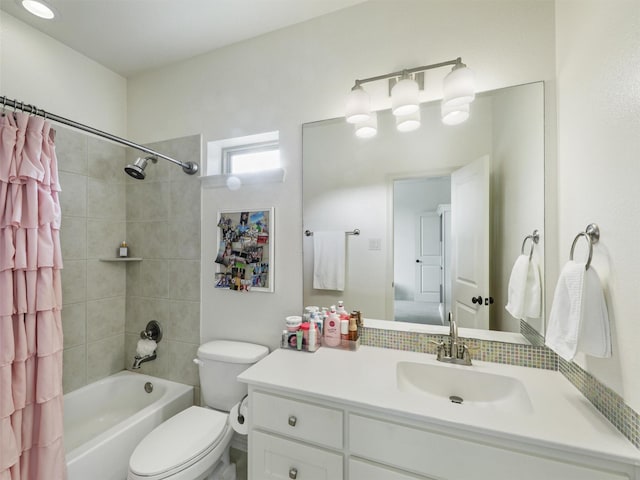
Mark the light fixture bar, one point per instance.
(409, 71)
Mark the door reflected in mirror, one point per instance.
(490, 170)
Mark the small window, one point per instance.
(251, 158)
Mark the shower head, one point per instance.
(137, 169)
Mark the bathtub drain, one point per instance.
(148, 387)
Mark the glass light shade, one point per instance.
(368, 128)
(408, 123)
(458, 87)
(454, 115)
(358, 106)
(39, 9)
(404, 97)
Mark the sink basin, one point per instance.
(465, 386)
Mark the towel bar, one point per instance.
(535, 238)
(592, 234)
(355, 231)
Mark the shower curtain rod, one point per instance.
(187, 167)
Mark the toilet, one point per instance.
(194, 444)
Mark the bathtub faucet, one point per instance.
(139, 360)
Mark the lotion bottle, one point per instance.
(332, 329)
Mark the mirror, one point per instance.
(402, 190)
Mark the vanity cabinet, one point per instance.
(306, 438)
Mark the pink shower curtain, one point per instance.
(31, 444)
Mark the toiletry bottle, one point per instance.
(344, 328)
(285, 340)
(299, 336)
(332, 329)
(341, 310)
(353, 328)
(124, 250)
(313, 335)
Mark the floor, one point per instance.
(240, 459)
(427, 313)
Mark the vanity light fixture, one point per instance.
(368, 128)
(404, 88)
(38, 8)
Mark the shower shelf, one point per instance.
(123, 259)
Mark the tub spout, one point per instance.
(139, 360)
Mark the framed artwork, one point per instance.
(245, 250)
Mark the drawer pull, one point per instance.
(292, 421)
(293, 473)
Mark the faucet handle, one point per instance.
(441, 348)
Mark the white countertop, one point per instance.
(561, 416)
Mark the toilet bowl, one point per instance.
(194, 444)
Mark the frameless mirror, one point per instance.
(443, 211)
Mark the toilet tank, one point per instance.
(220, 362)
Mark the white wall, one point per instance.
(36, 69)
(303, 73)
(598, 61)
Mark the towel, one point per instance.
(525, 289)
(579, 319)
(328, 260)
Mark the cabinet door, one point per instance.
(274, 458)
(361, 470)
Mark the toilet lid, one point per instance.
(177, 441)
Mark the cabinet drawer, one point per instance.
(453, 458)
(273, 457)
(300, 420)
(361, 470)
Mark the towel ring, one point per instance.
(535, 238)
(592, 234)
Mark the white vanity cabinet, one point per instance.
(337, 415)
(302, 438)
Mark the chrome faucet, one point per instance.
(455, 352)
(138, 360)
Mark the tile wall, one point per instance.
(106, 304)
(163, 227)
(93, 225)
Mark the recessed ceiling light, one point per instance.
(38, 8)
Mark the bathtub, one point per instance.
(105, 420)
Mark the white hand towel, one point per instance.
(579, 319)
(329, 260)
(525, 289)
(595, 333)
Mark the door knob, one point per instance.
(477, 300)
(488, 301)
(418, 261)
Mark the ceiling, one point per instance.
(130, 36)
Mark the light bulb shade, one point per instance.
(368, 128)
(458, 87)
(358, 106)
(404, 97)
(408, 123)
(454, 115)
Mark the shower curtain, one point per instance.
(31, 402)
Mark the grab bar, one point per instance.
(535, 238)
(592, 234)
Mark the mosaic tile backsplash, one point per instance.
(536, 355)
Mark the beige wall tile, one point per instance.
(147, 201)
(105, 357)
(74, 281)
(71, 150)
(73, 238)
(105, 318)
(184, 321)
(106, 200)
(184, 280)
(104, 237)
(74, 324)
(106, 161)
(141, 310)
(73, 197)
(74, 368)
(105, 279)
(149, 278)
(148, 239)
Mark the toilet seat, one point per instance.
(179, 443)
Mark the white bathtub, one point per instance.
(105, 420)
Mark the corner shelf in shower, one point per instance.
(123, 259)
